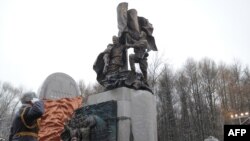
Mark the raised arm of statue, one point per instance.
(141, 43)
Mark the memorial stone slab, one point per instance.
(59, 85)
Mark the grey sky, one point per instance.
(38, 38)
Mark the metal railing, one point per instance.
(242, 117)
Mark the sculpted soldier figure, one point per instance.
(136, 33)
(111, 63)
(114, 57)
(140, 55)
(24, 126)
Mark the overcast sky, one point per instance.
(38, 38)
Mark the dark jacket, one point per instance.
(24, 126)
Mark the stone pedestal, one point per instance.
(136, 113)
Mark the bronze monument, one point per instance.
(111, 65)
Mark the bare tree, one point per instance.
(246, 89)
(235, 86)
(198, 106)
(97, 88)
(167, 116)
(208, 71)
(155, 70)
(183, 90)
(86, 91)
(223, 78)
(9, 96)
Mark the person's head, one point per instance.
(27, 97)
(115, 40)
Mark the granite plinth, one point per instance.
(136, 113)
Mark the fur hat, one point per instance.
(28, 97)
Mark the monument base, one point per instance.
(136, 113)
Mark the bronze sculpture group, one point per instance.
(111, 65)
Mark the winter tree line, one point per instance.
(196, 101)
(193, 102)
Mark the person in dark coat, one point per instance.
(24, 126)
